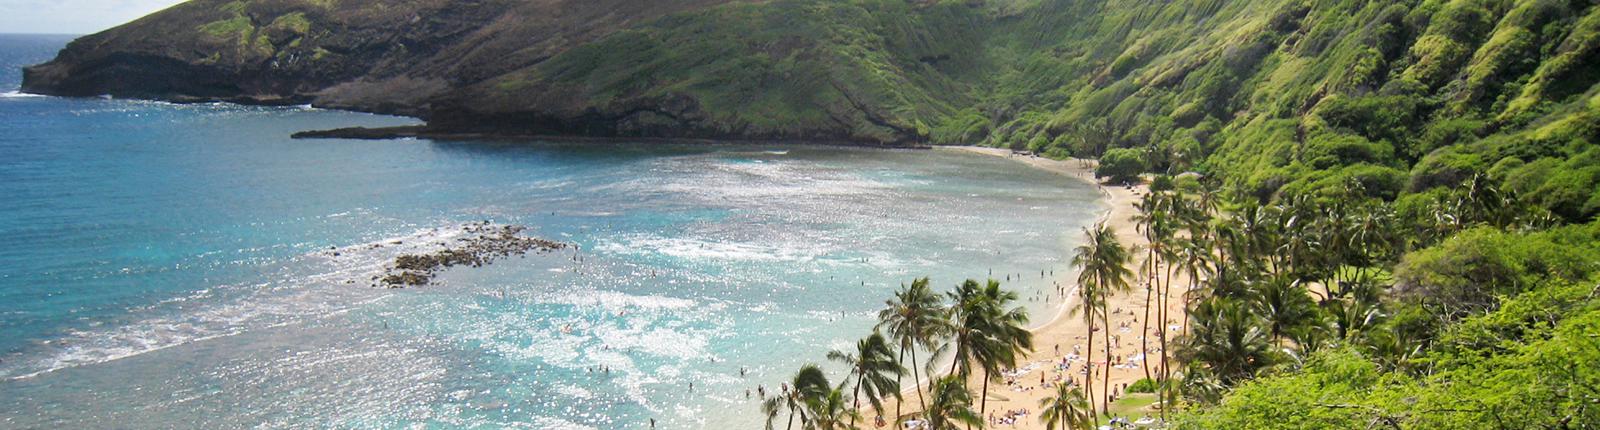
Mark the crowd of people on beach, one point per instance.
(1009, 418)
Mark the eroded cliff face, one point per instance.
(390, 56)
(464, 65)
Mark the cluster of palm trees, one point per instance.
(977, 325)
(1102, 264)
(1266, 284)
(1272, 283)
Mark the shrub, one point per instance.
(1121, 165)
(1143, 385)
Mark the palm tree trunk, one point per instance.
(957, 357)
(1144, 334)
(983, 404)
(855, 398)
(916, 375)
(1088, 367)
(1194, 281)
(1106, 377)
(897, 380)
(1166, 372)
(791, 418)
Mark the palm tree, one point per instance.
(1089, 306)
(871, 365)
(1310, 338)
(1155, 224)
(1146, 220)
(952, 405)
(914, 317)
(1006, 332)
(1067, 408)
(1102, 264)
(807, 385)
(964, 302)
(986, 333)
(1352, 316)
(829, 411)
(1172, 254)
(1227, 341)
(1285, 306)
(1195, 261)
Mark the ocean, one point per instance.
(190, 266)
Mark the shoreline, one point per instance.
(425, 131)
(1116, 207)
(1060, 330)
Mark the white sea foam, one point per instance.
(19, 95)
(549, 423)
(710, 251)
(613, 301)
(573, 391)
(313, 285)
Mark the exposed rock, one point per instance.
(362, 133)
(483, 245)
(468, 67)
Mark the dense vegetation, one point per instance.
(1473, 311)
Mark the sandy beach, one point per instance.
(1064, 332)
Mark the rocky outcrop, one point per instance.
(484, 243)
(464, 66)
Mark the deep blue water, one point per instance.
(171, 265)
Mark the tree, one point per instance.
(1067, 409)
(1006, 326)
(807, 385)
(988, 333)
(963, 337)
(1155, 223)
(1285, 306)
(951, 406)
(1121, 165)
(915, 316)
(1227, 341)
(829, 411)
(875, 370)
(1102, 264)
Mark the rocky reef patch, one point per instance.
(481, 244)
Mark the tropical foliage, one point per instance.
(1066, 409)
(1316, 312)
(980, 327)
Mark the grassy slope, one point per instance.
(1306, 96)
(876, 70)
(1277, 96)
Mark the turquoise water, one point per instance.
(174, 266)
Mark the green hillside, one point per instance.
(1278, 97)
(1416, 180)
